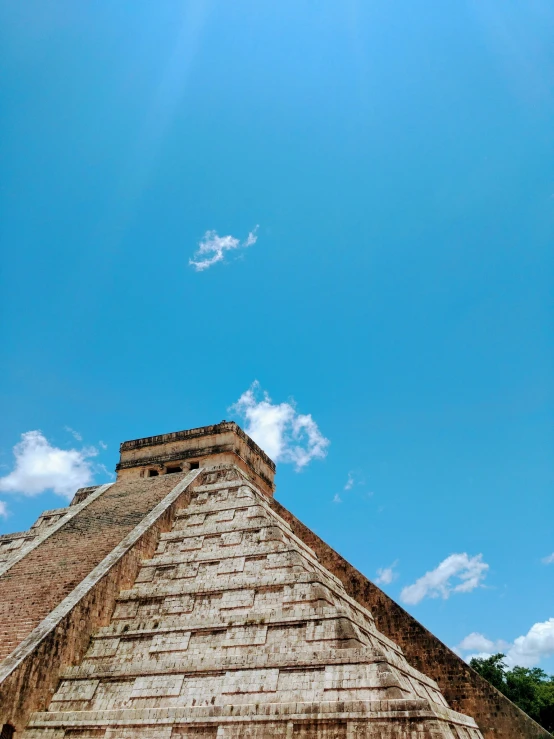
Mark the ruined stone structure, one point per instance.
(182, 601)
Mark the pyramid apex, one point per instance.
(206, 446)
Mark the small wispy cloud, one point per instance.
(548, 560)
(526, 651)
(354, 479)
(102, 445)
(3, 509)
(76, 435)
(41, 466)
(283, 433)
(212, 248)
(385, 575)
(470, 571)
(349, 484)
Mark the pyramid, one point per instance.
(227, 626)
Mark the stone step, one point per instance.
(216, 487)
(293, 658)
(237, 592)
(237, 582)
(172, 624)
(267, 548)
(197, 555)
(178, 589)
(225, 527)
(414, 709)
(271, 556)
(233, 502)
(258, 523)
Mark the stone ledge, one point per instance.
(271, 660)
(196, 665)
(342, 710)
(169, 624)
(251, 619)
(231, 485)
(240, 504)
(224, 527)
(164, 559)
(161, 560)
(201, 586)
(176, 456)
(218, 428)
(245, 584)
(273, 517)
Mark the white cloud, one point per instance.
(337, 498)
(39, 466)
(3, 510)
(470, 571)
(548, 560)
(528, 650)
(476, 641)
(284, 434)
(76, 435)
(212, 248)
(102, 445)
(385, 575)
(525, 651)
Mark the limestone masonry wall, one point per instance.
(465, 690)
(233, 628)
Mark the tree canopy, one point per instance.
(530, 688)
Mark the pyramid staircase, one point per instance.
(234, 629)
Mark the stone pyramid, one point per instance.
(183, 601)
(234, 629)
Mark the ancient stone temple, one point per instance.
(182, 601)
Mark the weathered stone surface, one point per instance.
(242, 636)
(194, 605)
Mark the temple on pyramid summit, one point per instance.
(183, 601)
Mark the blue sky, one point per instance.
(397, 160)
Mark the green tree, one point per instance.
(529, 688)
(492, 669)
